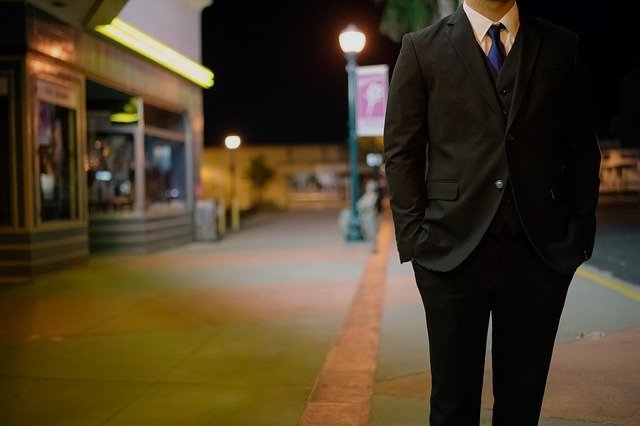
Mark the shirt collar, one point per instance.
(480, 23)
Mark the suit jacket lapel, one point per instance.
(531, 41)
(460, 34)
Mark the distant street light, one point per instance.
(232, 143)
(352, 42)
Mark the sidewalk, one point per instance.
(228, 333)
(244, 331)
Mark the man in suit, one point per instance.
(492, 161)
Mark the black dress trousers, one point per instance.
(504, 277)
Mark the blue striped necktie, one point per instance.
(497, 53)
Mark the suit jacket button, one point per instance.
(503, 91)
(499, 184)
(510, 138)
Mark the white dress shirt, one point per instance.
(480, 25)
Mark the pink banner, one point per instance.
(371, 102)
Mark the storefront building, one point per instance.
(307, 176)
(100, 129)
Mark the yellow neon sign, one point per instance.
(124, 117)
(131, 37)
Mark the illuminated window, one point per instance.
(165, 160)
(57, 154)
(111, 175)
(165, 173)
(110, 148)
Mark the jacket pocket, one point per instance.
(442, 190)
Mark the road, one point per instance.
(617, 248)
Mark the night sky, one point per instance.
(279, 71)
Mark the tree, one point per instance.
(626, 124)
(259, 174)
(402, 16)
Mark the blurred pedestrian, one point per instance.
(507, 211)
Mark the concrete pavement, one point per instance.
(228, 333)
(247, 331)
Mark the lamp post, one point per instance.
(352, 42)
(232, 142)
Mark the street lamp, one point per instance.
(352, 42)
(232, 143)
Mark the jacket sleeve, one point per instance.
(405, 147)
(582, 153)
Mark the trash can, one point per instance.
(206, 220)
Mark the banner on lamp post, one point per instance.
(372, 84)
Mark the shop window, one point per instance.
(57, 154)
(5, 153)
(111, 176)
(165, 173)
(111, 128)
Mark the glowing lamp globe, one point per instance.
(232, 142)
(352, 40)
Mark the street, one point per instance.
(617, 248)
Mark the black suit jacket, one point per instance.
(447, 142)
